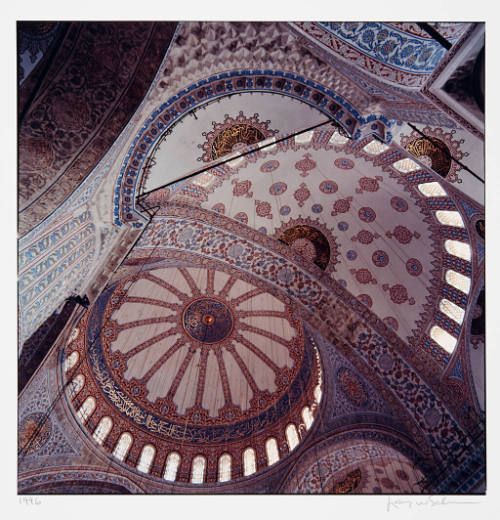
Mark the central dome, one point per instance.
(197, 347)
(197, 361)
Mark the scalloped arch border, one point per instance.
(272, 81)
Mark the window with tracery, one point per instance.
(249, 465)
(443, 338)
(272, 452)
(122, 446)
(102, 430)
(76, 385)
(198, 470)
(146, 458)
(173, 461)
(375, 147)
(432, 189)
(225, 467)
(292, 437)
(460, 249)
(71, 361)
(459, 281)
(451, 310)
(406, 165)
(86, 410)
(450, 218)
(307, 416)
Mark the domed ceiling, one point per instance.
(343, 212)
(222, 126)
(195, 360)
(205, 343)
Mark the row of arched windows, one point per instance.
(453, 247)
(457, 280)
(148, 452)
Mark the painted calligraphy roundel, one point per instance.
(195, 350)
(207, 320)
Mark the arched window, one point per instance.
(432, 189)
(443, 338)
(249, 466)
(173, 461)
(146, 458)
(307, 416)
(337, 138)
(292, 437)
(451, 310)
(86, 409)
(375, 147)
(406, 165)
(74, 334)
(304, 138)
(459, 281)
(225, 467)
(450, 218)
(317, 393)
(71, 361)
(102, 430)
(122, 446)
(76, 385)
(198, 470)
(272, 452)
(456, 248)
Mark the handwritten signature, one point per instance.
(409, 503)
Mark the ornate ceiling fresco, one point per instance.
(399, 53)
(95, 82)
(285, 282)
(335, 206)
(223, 126)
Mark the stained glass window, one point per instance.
(451, 310)
(102, 430)
(76, 385)
(292, 436)
(406, 165)
(375, 147)
(71, 361)
(272, 452)
(450, 218)
(249, 465)
(173, 461)
(337, 138)
(225, 467)
(460, 249)
(146, 458)
(122, 446)
(198, 470)
(86, 409)
(432, 189)
(307, 416)
(443, 338)
(459, 281)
